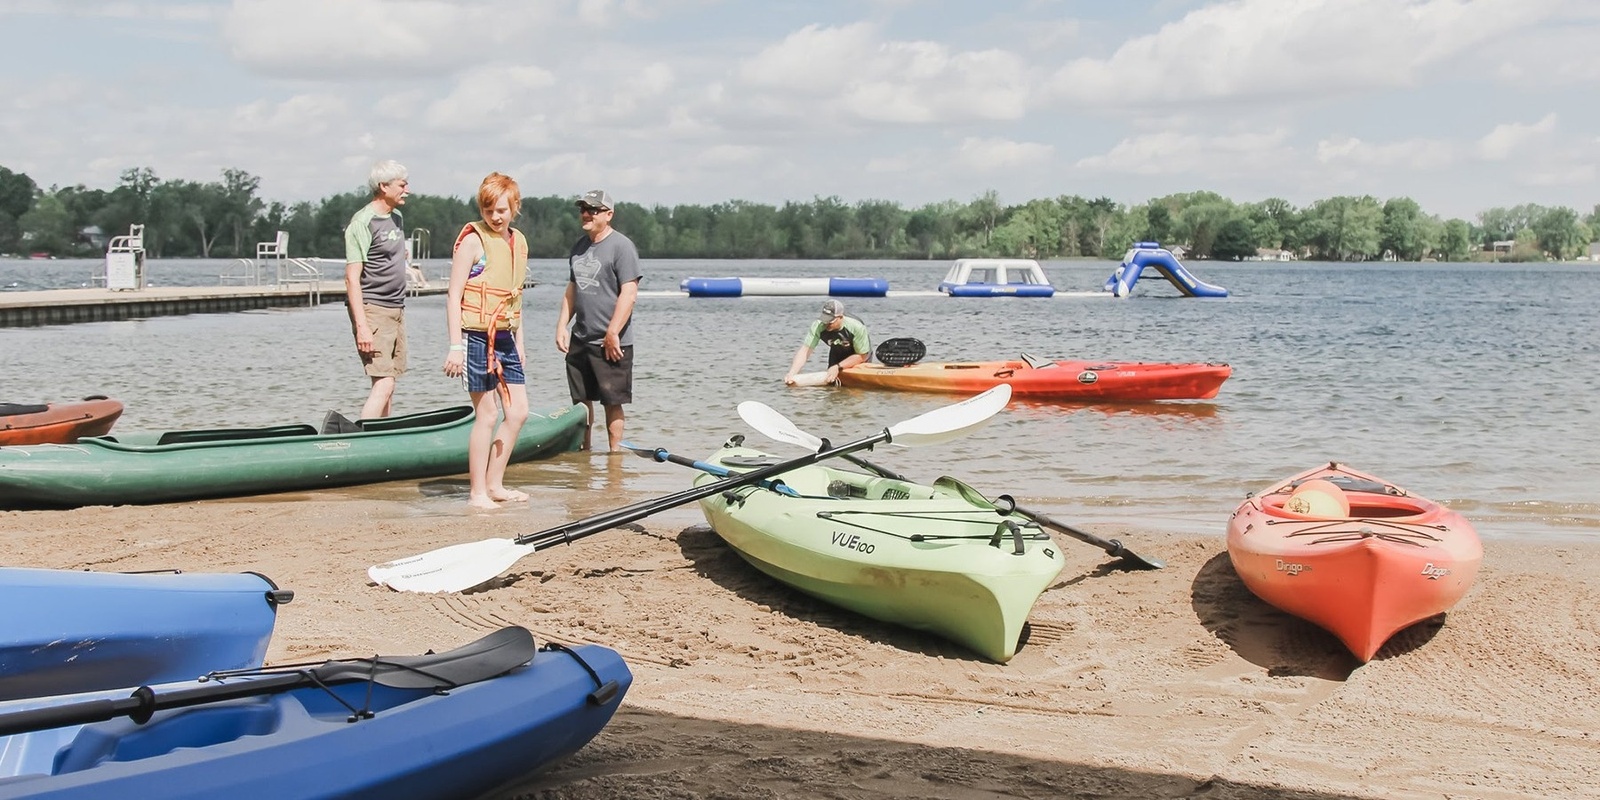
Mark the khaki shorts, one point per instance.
(388, 359)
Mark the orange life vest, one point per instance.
(492, 299)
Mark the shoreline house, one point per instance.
(1271, 254)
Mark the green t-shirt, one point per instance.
(377, 243)
(850, 339)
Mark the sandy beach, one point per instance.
(1169, 683)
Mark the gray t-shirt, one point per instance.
(598, 271)
(378, 243)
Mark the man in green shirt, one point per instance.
(846, 338)
(375, 284)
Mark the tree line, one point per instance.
(227, 217)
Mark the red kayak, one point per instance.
(57, 423)
(1354, 554)
(1087, 381)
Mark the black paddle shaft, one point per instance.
(611, 519)
(488, 657)
(1006, 504)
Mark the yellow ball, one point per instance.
(1318, 498)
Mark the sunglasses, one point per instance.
(592, 210)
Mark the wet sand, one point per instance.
(1169, 683)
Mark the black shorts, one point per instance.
(591, 377)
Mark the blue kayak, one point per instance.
(337, 739)
(84, 631)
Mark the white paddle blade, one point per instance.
(775, 426)
(456, 568)
(951, 422)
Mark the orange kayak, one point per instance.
(1392, 559)
(1090, 381)
(57, 423)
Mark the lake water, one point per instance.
(1476, 385)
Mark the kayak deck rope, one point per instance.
(1036, 533)
(1413, 533)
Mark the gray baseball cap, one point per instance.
(831, 309)
(596, 197)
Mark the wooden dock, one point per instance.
(64, 306)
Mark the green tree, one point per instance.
(1344, 228)
(47, 227)
(1404, 229)
(981, 216)
(1159, 224)
(1235, 240)
(17, 193)
(1456, 242)
(1560, 233)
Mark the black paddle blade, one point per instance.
(901, 352)
(490, 657)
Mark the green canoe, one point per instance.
(193, 464)
(913, 555)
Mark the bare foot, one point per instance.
(508, 495)
(480, 501)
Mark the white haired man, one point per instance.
(375, 284)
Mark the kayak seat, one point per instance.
(218, 723)
(335, 422)
(13, 409)
(1037, 362)
(234, 434)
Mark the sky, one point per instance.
(1462, 105)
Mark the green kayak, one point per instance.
(229, 462)
(913, 555)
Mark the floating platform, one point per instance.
(790, 287)
(996, 277)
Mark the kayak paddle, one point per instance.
(460, 567)
(489, 657)
(777, 427)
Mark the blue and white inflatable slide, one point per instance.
(1153, 255)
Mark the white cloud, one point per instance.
(1185, 152)
(327, 41)
(1292, 49)
(1409, 154)
(1505, 139)
(1000, 154)
(850, 71)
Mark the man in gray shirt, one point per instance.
(375, 284)
(602, 285)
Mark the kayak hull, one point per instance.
(303, 744)
(196, 464)
(911, 555)
(87, 631)
(1396, 560)
(1083, 381)
(57, 422)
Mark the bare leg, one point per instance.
(588, 407)
(479, 446)
(378, 399)
(614, 424)
(505, 439)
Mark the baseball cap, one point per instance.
(831, 309)
(596, 197)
